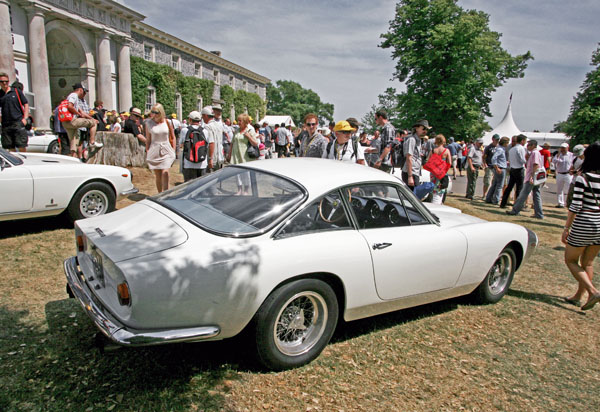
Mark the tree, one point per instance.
(290, 98)
(583, 123)
(451, 63)
(388, 101)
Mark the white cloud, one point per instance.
(332, 47)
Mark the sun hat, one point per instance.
(173, 115)
(195, 116)
(564, 144)
(217, 106)
(207, 110)
(136, 111)
(578, 150)
(423, 123)
(343, 126)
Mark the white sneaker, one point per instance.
(96, 144)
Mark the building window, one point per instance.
(198, 70)
(232, 81)
(148, 53)
(217, 77)
(200, 103)
(245, 85)
(178, 109)
(176, 62)
(256, 88)
(150, 98)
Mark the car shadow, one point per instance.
(20, 227)
(137, 197)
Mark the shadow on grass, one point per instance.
(21, 227)
(137, 197)
(553, 300)
(61, 369)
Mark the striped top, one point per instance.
(583, 198)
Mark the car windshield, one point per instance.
(15, 159)
(234, 201)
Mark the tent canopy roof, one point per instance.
(273, 120)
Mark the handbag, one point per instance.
(539, 177)
(252, 151)
(437, 165)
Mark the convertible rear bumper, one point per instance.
(115, 330)
(131, 191)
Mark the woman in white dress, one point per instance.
(160, 146)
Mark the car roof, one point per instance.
(319, 176)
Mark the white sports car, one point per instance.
(43, 142)
(35, 185)
(283, 249)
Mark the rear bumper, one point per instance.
(115, 330)
(532, 242)
(131, 191)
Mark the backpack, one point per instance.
(397, 154)
(354, 147)
(195, 147)
(64, 115)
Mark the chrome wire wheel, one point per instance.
(93, 203)
(300, 323)
(499, 275)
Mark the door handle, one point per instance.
(381, 245)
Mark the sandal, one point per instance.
(591, 302)
(570, 301)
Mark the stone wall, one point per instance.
(120, 149)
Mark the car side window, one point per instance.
(380, 205)
(325, 213)
(414, 214)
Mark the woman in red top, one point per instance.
(545, 152)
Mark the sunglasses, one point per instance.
(4, 81)
(311, 124)
(154, 112)
(346, 132)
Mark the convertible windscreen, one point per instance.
(234, 201)
(11, 157)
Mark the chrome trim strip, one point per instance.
(118, 332)
(532, 242)
(132, 191)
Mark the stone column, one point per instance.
(7, 59)
(124, 76)
(104, 77)
(38, 65)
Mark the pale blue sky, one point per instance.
(331, 47)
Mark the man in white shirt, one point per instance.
(343, 148)
(563, 162)
(192, 170)
(211, 125)
(516, 160)
(80, 119)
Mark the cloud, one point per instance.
(332, 48)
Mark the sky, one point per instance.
(331, 47)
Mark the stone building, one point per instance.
(51, 44)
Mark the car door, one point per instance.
(16, 186)
(410, 254)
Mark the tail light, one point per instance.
(123, 293)
(80, 243)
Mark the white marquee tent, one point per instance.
(273, 120)
(508, 128)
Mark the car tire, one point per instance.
(92, 199)
(498, 279)
(295, 323)
(53, 147)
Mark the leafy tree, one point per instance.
(388, 101)
(290, 98)
(583, 123)
(451, 63)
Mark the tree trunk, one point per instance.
(120, 149)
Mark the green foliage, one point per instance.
(290, 98)
(451, 63)
(167, 82)
(388, 101)
(583, 123)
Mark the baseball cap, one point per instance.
(564, 144)
(496, 136)
(207, 110)
(79, 86)
(578, 150)
(195, 116)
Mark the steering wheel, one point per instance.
(331, 210)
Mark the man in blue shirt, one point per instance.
(454, 148)
(498, 164)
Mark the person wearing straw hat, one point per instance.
(343, 147)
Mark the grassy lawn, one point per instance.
(529, 352)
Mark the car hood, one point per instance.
(46, 158)
(451, 216)
(137, 230)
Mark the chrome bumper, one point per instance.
(532, 242)
(116, 331)
(131, 191)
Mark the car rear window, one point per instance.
(234, 201)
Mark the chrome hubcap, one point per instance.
(300, 323)
(500, 273)
(93, 203)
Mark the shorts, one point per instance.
(14, 136)
(487, 177)
(454, 159)
(73, 132)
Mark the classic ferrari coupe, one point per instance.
(282, 249)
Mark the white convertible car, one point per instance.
(35, 185)
(283, 249)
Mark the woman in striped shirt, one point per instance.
(582, 229)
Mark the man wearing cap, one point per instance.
(213, 133)
(388, 134)
(131, 125)
(193, 170)
(220, 127)
(563, 162)
(14, 111)
(81, 119)
(342, 147)
(488, 153)
(578, 162)
(534, 162)
(516, 160)
(474, 163)
(313, 144)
